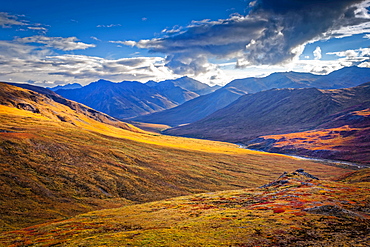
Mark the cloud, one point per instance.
(128, 43)
(367, 36)
(110, 25)
(65, 44)
(273, 32)
(355, 57)
(94, 38)
(24, 62)
(7, 20)
(317, 53)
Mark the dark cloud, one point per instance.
(274, 32)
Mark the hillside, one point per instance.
(121, 100)
(296, 209)
(346, 137)
(195, 109)
(277, 111)
(57, 161)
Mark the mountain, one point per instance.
(345, 137)
(201, 107)
(182, 89)
(194, 109)
(342, 78)
(121, 100)
(59, 158)
(14, 97)
(276, 111)
(275, 80)
(68, 86)
(299, 208)
(173, 92)
(188, 84)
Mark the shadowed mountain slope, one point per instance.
(199, 108)
(195, 109)
(57, 161)
(121, 100)
(187, 83)
(276, 111)
(68, 86)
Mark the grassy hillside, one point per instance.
(294, 210)
(57, 162)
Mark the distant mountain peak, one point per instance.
(67, 86)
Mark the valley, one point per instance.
(61, 161)
(58, 162)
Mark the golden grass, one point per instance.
(283, 215)
(59, 163)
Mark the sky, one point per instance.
(50, 43)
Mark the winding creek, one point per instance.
(338, 163)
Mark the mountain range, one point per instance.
(201, 107)
(68, 86)
(279, 111)
(130, 99)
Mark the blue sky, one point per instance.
(57, 42)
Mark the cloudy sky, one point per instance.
(47, 42)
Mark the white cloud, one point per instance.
(24, 62)
(128, 43)
(110, 25)
(60, 43)
(7, 20)
(94, 38)
(317, 53)
(273, 33)
(367, 36)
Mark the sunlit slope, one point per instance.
(349, 141)
(294, 210)
(57, 162)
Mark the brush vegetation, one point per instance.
(57, 162)
(294, 210)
